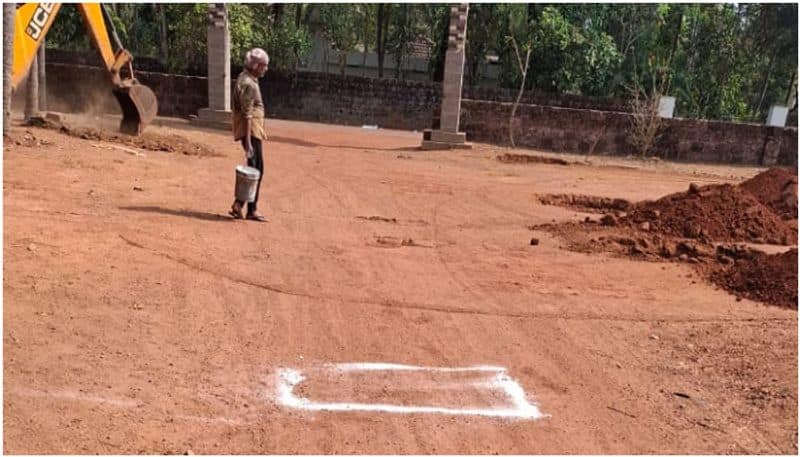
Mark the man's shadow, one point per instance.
(311, 144)
(178, 212)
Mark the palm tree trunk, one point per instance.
(162, 33)
(791, 90)
(675, 40)
(379, 45)
(766, 83)
(366, 42)
(42, 78)
(400, 55)
(9, 11)
(32, 91)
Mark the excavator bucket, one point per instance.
(139, 107)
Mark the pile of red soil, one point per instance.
(685, 226)
(526, 158)
(588, 203)
(148, 141)
(769, 278)
(716, 212)
(776, 188)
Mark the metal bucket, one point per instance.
(246, 183)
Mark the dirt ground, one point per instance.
(138, 318)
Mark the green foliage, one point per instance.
(186, 31)
(342, 24)
(480, 38)
(729, 61)
(287, 45)
(251, 25)
(67, 32)
(571, 58)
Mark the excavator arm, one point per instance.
(33, 21)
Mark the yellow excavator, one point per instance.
(33, 21)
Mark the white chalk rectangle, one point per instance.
(393, 388)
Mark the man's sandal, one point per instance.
(235, 212)
(256, 217)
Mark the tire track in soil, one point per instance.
(439, 339)
(346, 200)
(438, 252)
(434, 228)
(482, 297)
(186, 263)
(393, 304)
(334, 315)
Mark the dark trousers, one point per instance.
(257, 162)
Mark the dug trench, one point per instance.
(713, 227)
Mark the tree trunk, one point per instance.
(379, 46)
(676, 37)
(692, 46)
(472, 49)
(32, 91)
(163, 48)
(277, 12)
(400, 54)
(675, 40)
(524, 69)
(530, 13)
(9, 11)
(42, 78)
(766, 83)
(298, 16)
(791, 90)
(364, 59)
(438, 74)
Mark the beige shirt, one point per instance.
(248, 106)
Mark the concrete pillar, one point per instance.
(448, 136)
(218, 113)
(219, 58)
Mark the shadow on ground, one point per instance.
(311, 144)
(178, 212)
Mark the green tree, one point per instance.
(341, 28)
(482, 31)
(729, 61)
(400, 35)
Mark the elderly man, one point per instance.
(248, 123)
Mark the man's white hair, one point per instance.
(254, 57)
